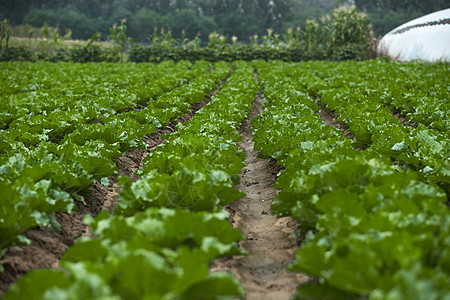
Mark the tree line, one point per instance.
(385, 15)
(198, 18)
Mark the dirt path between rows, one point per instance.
(271, 241)
(329, 118)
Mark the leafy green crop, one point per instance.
(156, 254)
(367, 95)
(373, 229)
(194, 168)
(66, 126)
(376, 221)
(168, 227)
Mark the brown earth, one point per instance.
(329, 118)
(271, 241)
(404, 121)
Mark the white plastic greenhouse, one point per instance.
(426, 38)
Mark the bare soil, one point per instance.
(329, 118)
(404, 121)
(271, 241)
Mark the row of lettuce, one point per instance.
(376, 223)
(64, 124)
(170, 224)
(374, 91)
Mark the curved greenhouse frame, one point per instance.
(426, 38)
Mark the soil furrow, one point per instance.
(271, 241)
(329, 118)
(404, 120)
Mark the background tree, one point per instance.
(243, 18)
(141, 25)
(385, 15)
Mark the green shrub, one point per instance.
(83, 54)
(139, 53)
(346, 52)
(110, 55)
(343, 35)
(349, 35)
(60, 54)
(91, 52)
(17, 54)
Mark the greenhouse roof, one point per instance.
(426, 38)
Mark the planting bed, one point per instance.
(201, 181)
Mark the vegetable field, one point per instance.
(147, 161)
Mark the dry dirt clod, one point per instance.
(271, 243)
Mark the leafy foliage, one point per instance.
(343, 35)
(161, 252)
(61, 132)
(376, 221)
(199, 176)
(373, 230)
(366, 97)
(156, 254)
